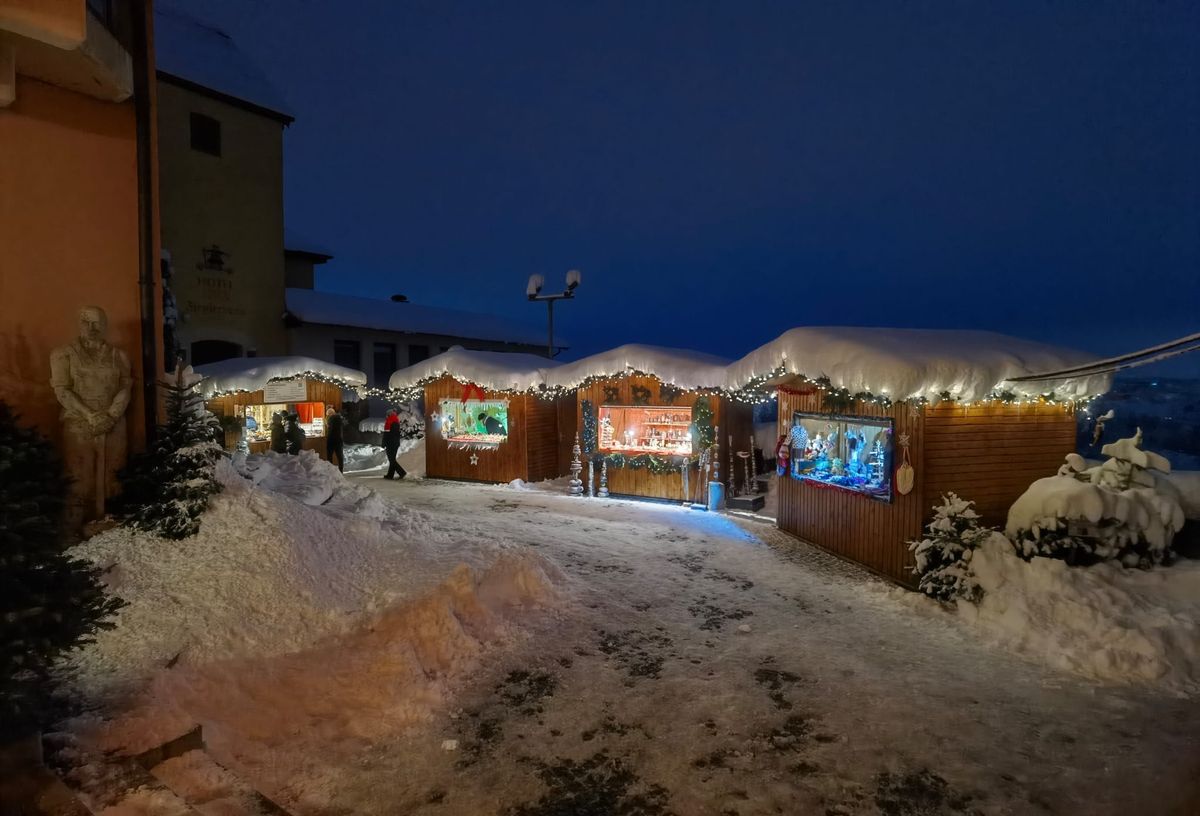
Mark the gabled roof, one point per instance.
(295, 243)
(252, 373)
(911, 363)
(494, 370)
(327, 308)
(200, 56)
(682, 367)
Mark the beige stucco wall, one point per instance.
(234, 201)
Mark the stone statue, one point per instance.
(91, 380)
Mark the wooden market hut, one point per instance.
(638, 408)
(488, 416)
(968, 430)
(245, 392)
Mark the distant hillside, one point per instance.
(1166, 409)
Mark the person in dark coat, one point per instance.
(278, 434)
(334, 439)
(295, 435)
(492, 425)
(391, 444)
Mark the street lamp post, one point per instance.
(534, 291)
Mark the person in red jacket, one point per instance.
(391, 444)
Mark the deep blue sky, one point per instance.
(724, 171)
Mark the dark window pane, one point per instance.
(347, 353)
(385, 363)
(206, 134)
(417, 353)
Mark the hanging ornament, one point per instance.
(905, 475)
(1098, 428)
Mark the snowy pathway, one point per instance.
(843, 697)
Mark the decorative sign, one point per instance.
(214, 293)
(286, 391)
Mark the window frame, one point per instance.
(203, 119)
(842, 420)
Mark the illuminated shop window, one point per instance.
(645, 429)
(473, 423)
(258, 418)
(854, 453)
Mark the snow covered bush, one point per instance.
(166, 488)
(50, 601)
(944, 556)
(1112, 511)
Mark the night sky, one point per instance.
(723, 172)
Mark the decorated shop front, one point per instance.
(487, 416)
(655, 423)
(246, 394)
(876, 424)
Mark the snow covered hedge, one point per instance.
(943, 557)
(1112, 511)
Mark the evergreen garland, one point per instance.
(702, 416)
(658, 465)
(166, 488)
(50, 602)
(669, 393)
(588, 439)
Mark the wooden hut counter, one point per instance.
(244, 393)
(488, 417)
(646, 412)
(875, 425)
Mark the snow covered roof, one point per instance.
(311, 306)
(911, 363)
(198, 52)
(681, 367)
(493, 370)
(295, 242)
(253, 373)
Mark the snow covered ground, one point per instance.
(680, 662)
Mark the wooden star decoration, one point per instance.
(474, 458)
(904, 440)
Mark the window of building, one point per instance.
(347, 353)
(385, 363)
(851, 452)
(206, 134)
(635, 430)
(214, 351)
(417, 353)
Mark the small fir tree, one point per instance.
(49, 602)
(166, 488)
(944, 556)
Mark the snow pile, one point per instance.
(1184, 486)
(279, 615)
(304, 477)
(681, 367)
(364, 457)
(494, 370)
(1104, 622)
(1109, 511)
(906, 363)
(253, 373)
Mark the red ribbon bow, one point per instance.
(468, 388)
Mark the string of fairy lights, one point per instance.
(756, 390)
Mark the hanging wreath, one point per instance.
(612, 393)
(668, 393)
(641, 395)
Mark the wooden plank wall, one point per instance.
(567, 409)
(849, 524)
(507, 462)
(541, 431)
(630, 482)
(989, 454)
